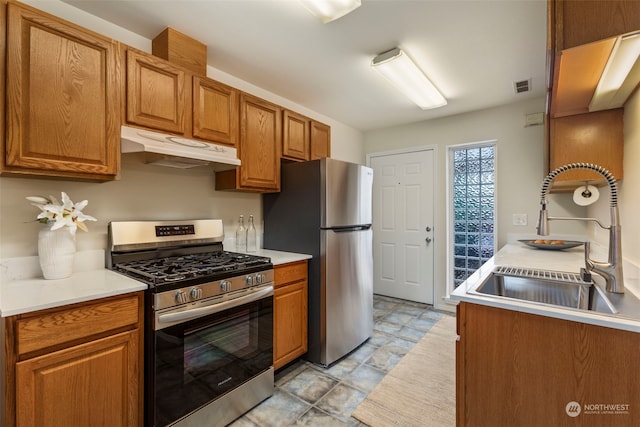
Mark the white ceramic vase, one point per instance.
(56, 251)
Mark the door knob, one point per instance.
(428, 228)
(428, 239)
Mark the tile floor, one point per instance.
(309, 395)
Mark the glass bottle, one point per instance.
(251, 236)
(241, 236)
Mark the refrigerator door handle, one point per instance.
(349, 228)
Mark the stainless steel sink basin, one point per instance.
(546, 287)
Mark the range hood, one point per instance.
(177, 152)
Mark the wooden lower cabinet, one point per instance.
(289, 313)
(78, 365)
(82, 385)
(520, 369)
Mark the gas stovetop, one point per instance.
(192, 268)
(168, 255)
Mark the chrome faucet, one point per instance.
(611, 270)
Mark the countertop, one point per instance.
(23, 290)
(279, 257)
(571, 260)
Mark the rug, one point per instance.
(420, 390)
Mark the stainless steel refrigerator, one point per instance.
(324, 209)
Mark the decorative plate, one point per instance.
(566, 244)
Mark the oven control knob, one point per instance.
(181, 297)
(259, 278)
(195, 293)
(249, 280)
(225, 286)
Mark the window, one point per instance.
(471, 208)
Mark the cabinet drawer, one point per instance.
(289, 273)
(59, 326)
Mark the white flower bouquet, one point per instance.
(61, 214)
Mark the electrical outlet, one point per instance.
(519, 219)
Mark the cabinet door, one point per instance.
(524, 369)
(320, 140)
(295, 136)
(156, 93)
(215, 111)
(63, 98)
(587, 138)
(260, 138)
(582, 22)
(93, 384)
(290, 323)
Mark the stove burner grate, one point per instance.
(184, 267)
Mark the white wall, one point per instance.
(519, 175)
(144, 191)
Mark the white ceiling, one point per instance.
(472, 51)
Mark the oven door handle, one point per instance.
(203, 311)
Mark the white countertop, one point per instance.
(26, 295)
(279, 257)
(22, 288)
(571, 260)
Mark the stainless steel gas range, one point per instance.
(208, 320)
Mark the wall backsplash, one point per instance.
(144, 192)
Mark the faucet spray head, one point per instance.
(543, 221)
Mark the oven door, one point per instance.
(199, 360)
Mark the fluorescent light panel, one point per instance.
(405, 75)
(330, 10)
(620, 76)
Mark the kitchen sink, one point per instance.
(546, 287)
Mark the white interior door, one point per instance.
(403, 219)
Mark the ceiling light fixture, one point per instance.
(621, 75)
(330, 10)
(405, 75)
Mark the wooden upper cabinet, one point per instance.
(156, 93)
(63, 98)
(587, 138)
(295, 136)
(259, 148)
(216, 113)
(581, 37)
(582, 22)
(581, 40)
(320, 140)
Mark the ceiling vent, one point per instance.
(522, 86)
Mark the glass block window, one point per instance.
(472, 175)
